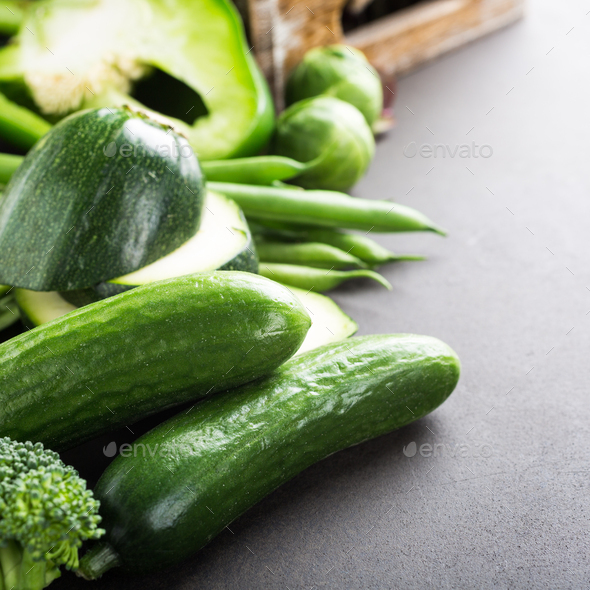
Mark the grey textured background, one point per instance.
(505, 504)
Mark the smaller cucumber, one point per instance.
(206, 467)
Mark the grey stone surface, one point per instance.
(505, 503)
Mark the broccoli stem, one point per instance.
(11, 16)
(98, 560)
(21, 572)
(20, 126)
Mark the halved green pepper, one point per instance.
(87, 54)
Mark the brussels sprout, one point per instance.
(331, 135)
(339, 71)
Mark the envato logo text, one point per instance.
(141, 450)
(126, 150)
(462, 451)
(439, 150)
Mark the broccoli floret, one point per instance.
(45, 514)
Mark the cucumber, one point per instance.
(104, 193)
(223, 242)
(115, 361)
(204, 468)
(328, 322)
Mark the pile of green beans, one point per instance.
(288, 256)
(298, 232)
(360, 246)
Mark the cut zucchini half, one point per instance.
(223, 237)
(103, 194)
(328, 322)
(8, 308)
(109, 44)
(223, 242)
(40, 307)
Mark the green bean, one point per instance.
(308, 254)
(20, 126)
(324, 209)
(8, 164)
(358, 245)
(281, 184)
(261, 170)
(315, 279)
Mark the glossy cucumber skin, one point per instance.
(113, 362)
(83, 208)
(212, 463)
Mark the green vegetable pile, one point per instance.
(165, 242)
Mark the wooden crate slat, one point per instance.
(282, 31)
(417, 34)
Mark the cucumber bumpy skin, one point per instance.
(207, 466)
(113, 362)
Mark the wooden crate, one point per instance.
(281, 31)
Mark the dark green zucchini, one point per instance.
(223, 242)
(104, 193)
(206, 467)
(115, 361)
